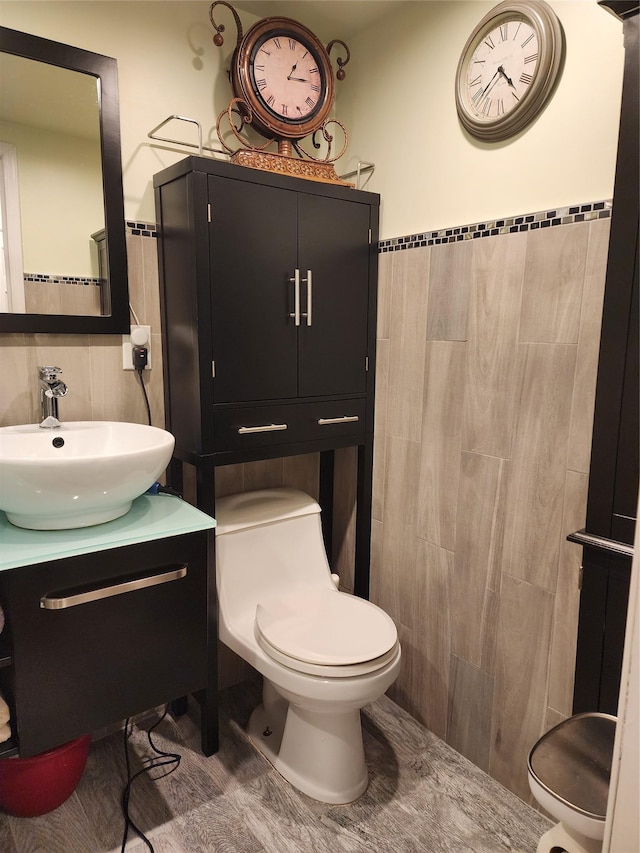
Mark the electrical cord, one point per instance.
(170, 760)
(146, 398)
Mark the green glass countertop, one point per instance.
(150, 517)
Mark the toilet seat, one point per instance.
(326, 632)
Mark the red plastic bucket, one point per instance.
(37, 785)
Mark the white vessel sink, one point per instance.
(85, 472)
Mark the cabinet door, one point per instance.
(252, 240)
(333, 243)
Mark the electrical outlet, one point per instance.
(141, 337)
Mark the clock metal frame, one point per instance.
(265, 120)
(548, 29)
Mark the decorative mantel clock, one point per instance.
(283, 86)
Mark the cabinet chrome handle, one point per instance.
(347, 419)
(296, 297)
(309, 297)
(51, 602)
(265, 428)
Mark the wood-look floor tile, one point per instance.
(449, 288)
(396, 583)
(554, 278)
(522, 666)
(562, 664)
(478, 558)
(584, 388)
(407, 343)
(535, 491)
(470, 711)
(494, 312)
(440, 441)
(65, 830)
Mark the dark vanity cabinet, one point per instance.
(268, 294)
(97, 636)
(613, 478)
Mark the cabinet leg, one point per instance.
(325, 494)
(363, 519)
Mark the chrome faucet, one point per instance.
(51, 389)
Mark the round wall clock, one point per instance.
(508, 68)
(282, 71)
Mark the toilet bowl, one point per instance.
(568, 772)
(323, 654)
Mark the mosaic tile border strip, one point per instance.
(43, 278)
(139, 229)
(508, 225)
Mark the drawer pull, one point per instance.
(59, 603)
(265, 428)
(347, 419)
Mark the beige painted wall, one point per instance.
(397, 103)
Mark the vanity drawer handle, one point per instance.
(347, 419)
(59, 603)
(265, 428)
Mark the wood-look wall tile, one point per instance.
(263, 474)
(116, 394)
(470, 711)
(494, 314)
(554, 277)
(385, 285)
(565, 619)
(74, 355)
(135, 270)
(19, 394)
(301, 472)
(376, 568)
(584, 391)
(379, 426)
(405, 690)
(553, 718)
(434, 569)
(397, 581)
(229, 480)
(478, 558)
(407, 329)
(344, 515)
(151, 284)
(522, 663)
(537, 471)
(440, 441)
(449, 288)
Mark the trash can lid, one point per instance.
(573, 761)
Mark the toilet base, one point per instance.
(560, 838)
(320, 754)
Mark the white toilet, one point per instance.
(568, 771)
(323, 654)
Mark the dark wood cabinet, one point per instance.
(613, 478)
(97, 636)
(268, 292)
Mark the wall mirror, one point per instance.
(63, 265)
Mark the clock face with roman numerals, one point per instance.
(283, 73)
(508, 69)
(287, 76)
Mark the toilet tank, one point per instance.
(267, 542)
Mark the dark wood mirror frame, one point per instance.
(115, 317)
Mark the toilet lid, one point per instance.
(326, 627)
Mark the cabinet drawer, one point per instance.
(268, 426)
(103, 636)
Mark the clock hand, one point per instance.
(292, 70)
(506, 77)
(488, 86)
(298, 79)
